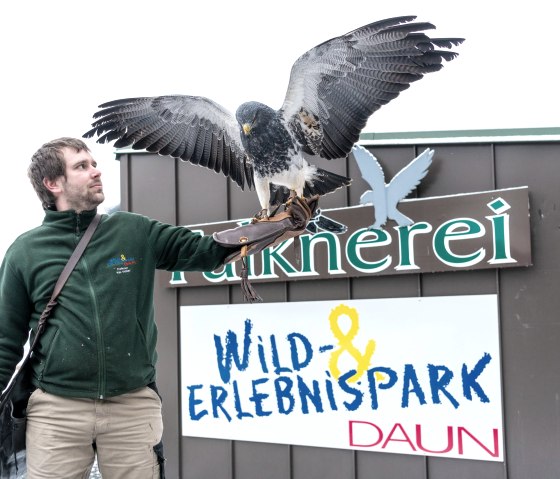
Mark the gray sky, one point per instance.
(60, 59)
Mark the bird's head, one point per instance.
(253, 115)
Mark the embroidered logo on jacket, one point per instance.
(122, 264)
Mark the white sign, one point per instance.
(410, 376)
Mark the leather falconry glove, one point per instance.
(264, 233)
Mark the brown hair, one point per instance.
(48, 162)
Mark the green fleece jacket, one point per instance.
(100, 339)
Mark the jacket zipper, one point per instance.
(101, 360)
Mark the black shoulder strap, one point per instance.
(76, 255)
(72, 262)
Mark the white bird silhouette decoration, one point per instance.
(385, 197)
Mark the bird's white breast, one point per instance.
(295, 177)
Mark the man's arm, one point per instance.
(179, 249)
(15, 312)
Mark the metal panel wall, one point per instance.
(177, 192)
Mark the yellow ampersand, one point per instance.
(123, 257)
(345, 343)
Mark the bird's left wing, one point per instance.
(336, 86)
(194, 129)
(409, 177)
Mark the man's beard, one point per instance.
(79, 201)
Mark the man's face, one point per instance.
(82, 189)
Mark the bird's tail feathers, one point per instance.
(319, 222)
(324, 182)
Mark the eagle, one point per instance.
(333, 90)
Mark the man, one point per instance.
(94, 368)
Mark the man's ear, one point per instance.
(54, 186)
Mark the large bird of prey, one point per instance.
(333, 90)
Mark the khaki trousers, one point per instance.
(61, 433)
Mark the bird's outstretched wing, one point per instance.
(336, 86)
(409, 177)
(194, 129)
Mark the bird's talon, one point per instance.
(262, 215)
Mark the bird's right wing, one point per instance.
(192, 128)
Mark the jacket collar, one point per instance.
(69, 220)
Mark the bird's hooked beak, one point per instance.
(246, 128)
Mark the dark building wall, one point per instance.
(180, 193)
